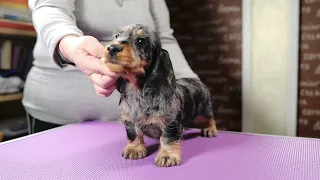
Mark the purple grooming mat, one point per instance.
(92, 151)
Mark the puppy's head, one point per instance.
(132, 50)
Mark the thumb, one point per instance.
(92, 46)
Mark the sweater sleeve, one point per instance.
(161, 17)
(54, 19)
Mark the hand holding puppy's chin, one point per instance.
(84, 52)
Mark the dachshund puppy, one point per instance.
(153, 103)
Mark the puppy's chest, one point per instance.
(134, 106)
(152, 127)
(146, 117)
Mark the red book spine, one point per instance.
(4, 24)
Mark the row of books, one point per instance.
(16, 25)
(15, 59)
(15, 10)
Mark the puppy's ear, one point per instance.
(161, 78)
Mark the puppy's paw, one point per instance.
(209, 132)
(165, 159)
(134, 152)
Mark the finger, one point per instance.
(92, 49)
(101, 91)
(87, 71)
(93, 46)
(105, 70)
(103, 94)
(92, 64)
(102, 81)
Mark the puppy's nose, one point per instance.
(114, 49)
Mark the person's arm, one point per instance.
(53, 20)
(161, 16)
(55, 23)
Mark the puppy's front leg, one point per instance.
(170, 149)
(135, 148)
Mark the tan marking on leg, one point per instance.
(135, 149)
(169, 155)
(208, 126)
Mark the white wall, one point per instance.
(271, 45)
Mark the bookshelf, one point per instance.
(15, 31)
(19, 38)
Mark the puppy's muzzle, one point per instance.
(114, 49)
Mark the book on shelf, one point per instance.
(15, 63)
(15, 58)
(15, 10)
(5, 57)
(15, 4)
(11, 24)
(17, 28)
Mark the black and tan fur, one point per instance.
(153, 102)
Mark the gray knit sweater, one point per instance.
(64, 95)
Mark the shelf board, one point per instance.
(11, 97)
(17, 32)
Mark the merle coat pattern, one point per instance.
(153, 102)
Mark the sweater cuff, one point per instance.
(60, 60)
(54, 51)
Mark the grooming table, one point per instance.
(92, 151)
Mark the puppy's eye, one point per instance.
(141, 40)
(116, 36)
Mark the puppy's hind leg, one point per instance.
(207, 124)
(211, 129)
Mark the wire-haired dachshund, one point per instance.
(153, 102)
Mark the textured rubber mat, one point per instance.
(92, 151)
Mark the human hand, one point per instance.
(84, 52)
